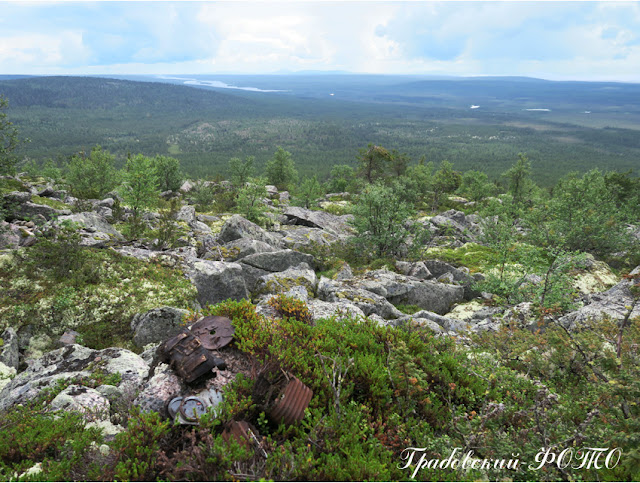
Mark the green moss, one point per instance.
(9, 185)
(476, 257)
(58, 205)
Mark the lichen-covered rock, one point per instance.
(30, 210)
(91, 222)
(163, 386)
(336, 225)
(368, 302)
(157, 325)
(614, 303)
(187, 214)
(238, 227)
(447, 323)
(324, 310)
(6, 375)
(281, 282)
(400, 289)
(296, 236)
(9, 350)
(243, 247)
(217, 281)
(69, 363)
(87, 401)
(278, 261)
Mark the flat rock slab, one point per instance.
(336, 225)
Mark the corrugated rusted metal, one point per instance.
(289, 407)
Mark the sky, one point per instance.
(545, 39)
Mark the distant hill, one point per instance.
(100, 93)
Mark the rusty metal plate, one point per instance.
(214, 331)
(289, 407)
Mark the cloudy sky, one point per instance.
(547, 39)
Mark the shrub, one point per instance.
(92, 176)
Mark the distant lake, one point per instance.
(218, 84)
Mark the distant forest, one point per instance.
(324, 120)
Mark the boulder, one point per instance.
(31, 210)
(243, 247)
(614, 303)
(323, 310)
(278, 261)
(217, 281)
(9, 348)
(296, 236)
(187, 214)
(72, 362)
(18, 197)
(92, 223)
(157, 325)
(401, 289)
(281, 282)
(87, 401)
(6, 375)
(336, 225)
(447, 323)
(162, 387)
(238, 227)
(368, 302)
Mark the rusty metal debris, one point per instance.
(214, 332)
(244, 433)
(187, 356)
(290, 405)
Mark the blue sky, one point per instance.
(547, 39)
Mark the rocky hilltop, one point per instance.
(98, 321)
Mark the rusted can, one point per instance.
(290, 405)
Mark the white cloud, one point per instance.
(36, 51)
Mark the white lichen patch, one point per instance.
(598, 279)
(465, 311)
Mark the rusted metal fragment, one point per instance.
(187, 356)
(214, 331)
(290, 405)
(245, 434)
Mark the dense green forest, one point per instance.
(323, 120)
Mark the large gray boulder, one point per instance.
(401, 289)
(163, 386)
(281, 282)
(368, 302)
(72, 362)
(278, 261)
(217, 281)
(243, 247)
(325, 310)
(432, 296)
(336, 225)
(187, 214)
(95, 229)
(614, 303)
(238, 227)
(297, 236)
(31, 210)
(439, 269)
(9, 348)
(157, 325)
